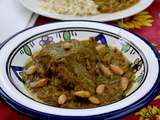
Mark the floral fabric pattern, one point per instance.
(145, 24)
(143, 19)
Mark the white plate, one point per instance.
(33, 5)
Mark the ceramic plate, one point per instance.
(19, 48)
(33, 5)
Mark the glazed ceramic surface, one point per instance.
(20, 48)
(34, 6)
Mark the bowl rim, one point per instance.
(114, 114)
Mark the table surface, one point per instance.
(145, 24)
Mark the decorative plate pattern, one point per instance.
(26, 49)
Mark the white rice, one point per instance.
(71, 7)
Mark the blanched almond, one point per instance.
(94, 100)
(67, 45)
(124, 83)
(31, 70)
(100, 89)
(117, 69)
(82, 94)
(106, 71)
(39, 83)
(62, 99)
(100, 47)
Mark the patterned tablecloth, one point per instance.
(147, 25)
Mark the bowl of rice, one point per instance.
(70, 7)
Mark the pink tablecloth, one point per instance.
(147, 25)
